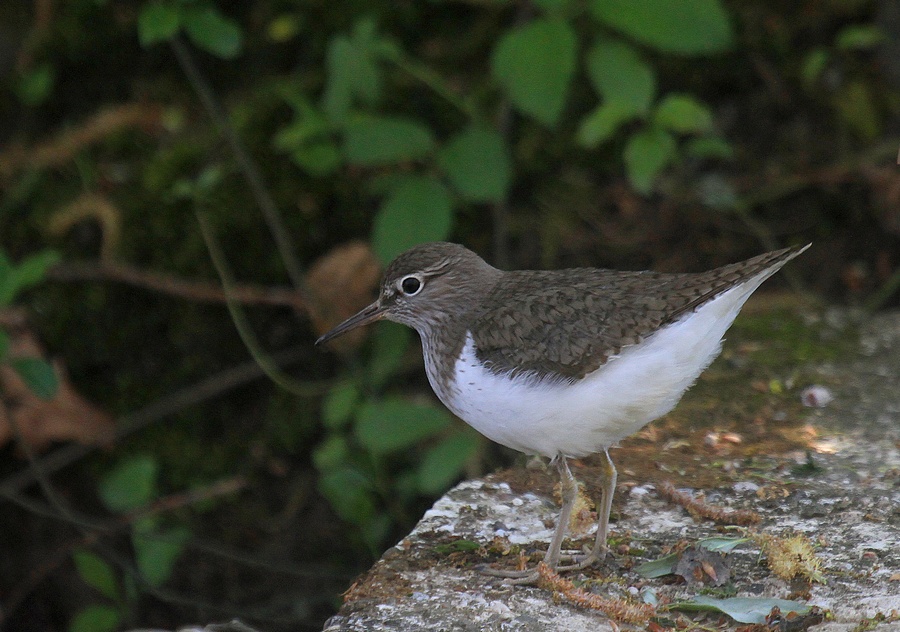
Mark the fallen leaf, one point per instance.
(67, 416)
(742, 609)
(702, 566)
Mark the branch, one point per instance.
(166, 284)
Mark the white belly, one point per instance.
(640, 384)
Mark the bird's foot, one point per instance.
(524, 577)
(533, 576)
(581, 562)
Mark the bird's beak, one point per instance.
(365, 316)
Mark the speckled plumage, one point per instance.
(567, 323)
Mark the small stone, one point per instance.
(639, 490)
(816, 396)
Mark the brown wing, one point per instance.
(564, 324)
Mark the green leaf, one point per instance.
(619, 75)
(38, 374)
(213, 32)
(683, 114)
(352, 71)
(318, 159)
(35, 86)
(158, 22)
(722, 545)
(601, 124)
(308, 140)
(444, 462)
(97, 573)
(859, 37)
(417, 209)
(646, 154)
(33, 269)
(856, 106)
(372, 141)
(535, 64)
(331, 454)
(4, 345)
(478, 164)
(349, 493)
(658, 568)
(130, 485)
(309, 124)
(742, 609)
(27, 273)
(395, 424)
(157, 553)
(95, 619)
(339, 404)
(284, 27)
(814, 64)
(687, 27)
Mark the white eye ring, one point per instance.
(410, 285)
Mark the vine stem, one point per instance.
(245, 162)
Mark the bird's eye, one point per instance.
(410, 285)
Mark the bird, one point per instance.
(561, 363)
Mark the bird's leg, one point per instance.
(569, 491)
(608, 477)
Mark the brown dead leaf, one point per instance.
(701, 566)
(66, 417)
(342, 282)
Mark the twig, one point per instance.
(66, 145)
(430, 78)
(94, 529)
(35, 466)
(246, 164)
(238, 317)
(173, 286)
(161, 408)
(700, 509)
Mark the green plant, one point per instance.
(130, 487)
(203, 23)
(853, 100)
(534, 65)
(37, 373)
(382, 451)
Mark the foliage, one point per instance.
(36, 373)
(534, 66)
(130, 487)
(381, 451)
(203, 23)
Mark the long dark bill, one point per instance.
(365, 316)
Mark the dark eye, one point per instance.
(410, 285)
